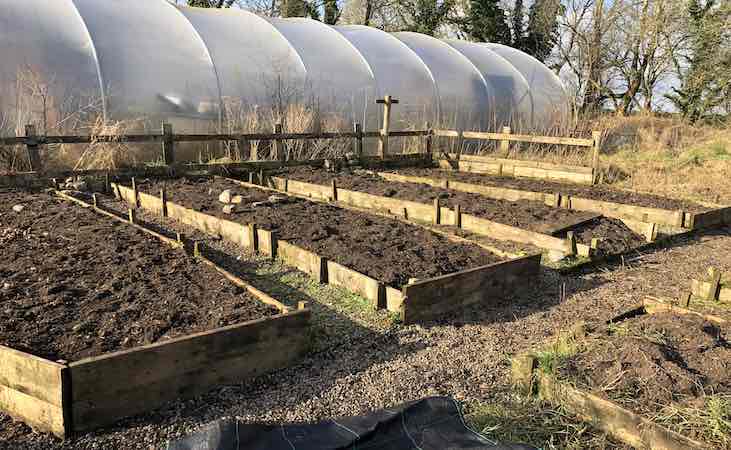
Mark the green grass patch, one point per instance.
(710, 422)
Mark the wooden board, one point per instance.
(430, 299)
(653, 305)
(306, 261)
(32, 391)
(622, 211)
(611, 418)
(110, 387)
(363, 285)
(700, 289)
(711, 219)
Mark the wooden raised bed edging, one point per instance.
(414, 302)
(518, 168)
(420, 212)
(712, 289)
(619, 422)
(65, 398)
(663, 217)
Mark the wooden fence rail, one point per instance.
(167, 138)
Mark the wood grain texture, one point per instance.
(433, 298)
(110, 387)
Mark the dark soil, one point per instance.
(525, 214)
(74, 284)
(385, 249)
(652, 361)
(602, 193)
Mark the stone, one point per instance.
(18, 208)
(277, 198)
(225, 197)
(229, 209)
(258, 204)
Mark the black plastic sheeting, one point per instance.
(433, 423)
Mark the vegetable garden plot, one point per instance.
(616, 203)
(397, 266)
(615, 236)
(100, 321)
(656, 377)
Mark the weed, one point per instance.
(710, 422)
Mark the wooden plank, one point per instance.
(31, 390)
(433, 298)
(622, 211)
(506, 232)
(267, 242)
(110, 387)
(653, 306)
(311, 190)
(611, 418)
(304, 260)
(394, 300)
(363, 285)
(712, 219)
(526, 163)
(702, 289)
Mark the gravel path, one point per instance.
(383, 366)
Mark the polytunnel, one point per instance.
(153, 61)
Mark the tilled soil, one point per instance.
(466, 357)
(382, 248)
(597, 192)
(525, 214)
(74, 284)
(655, 361)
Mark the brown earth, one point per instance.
(525, 214)
(598, 192)
(650, 362)
(74, 284)
(385, 249)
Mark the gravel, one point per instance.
(379, 366)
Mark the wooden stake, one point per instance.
(596, 148)
(429, 141)
(164, 202)
(107, 184)
(387, 102)
(505, 144)
(179, 236)
(301, 306)
(135, 193)
(714, 278)
(132, 215)
(437, 212)
(196, 248)
(251, 177)
(168, 144)
(31, 143)
(358, 130)
(572, 242)
(457, 216)
(95, 200)
(261, 177)
(685, 298)
(278, 147)
(334, 189)
(595, 243)
(253, 237)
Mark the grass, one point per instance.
(552, 357)
(710, 423)
(519, 419)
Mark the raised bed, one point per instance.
(613, 235)
(518, 169)
(118, 328)
(403, 268)
(620, 204)
(657, 361)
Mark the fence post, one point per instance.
(387, 101)
(504, 143)
(358, 130)
(596, 147)
(278, 150)
(34, 158)
(168, 145)
(429, 143)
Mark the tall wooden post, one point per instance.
(34, 157)
(278, 147)
(168, 144)
(429, 142)
(504, 143)
(358, 130)
(597, 138)
(387, 102)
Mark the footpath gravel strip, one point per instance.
(466, 357)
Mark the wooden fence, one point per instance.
(167, 138)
